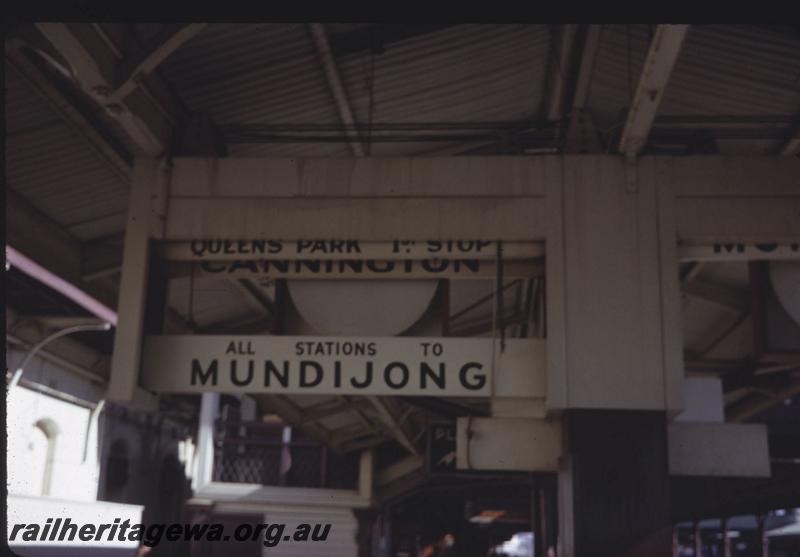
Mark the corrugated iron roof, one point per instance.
(252, 73)
(22, 115)
(468, 73)
(57, 171)
(726, 69)
(722, 70)
(271, 74)
(256, 73)
(246, 74)
(208, 301)
(618, 63)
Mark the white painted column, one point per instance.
(209, 408)
(566, 517)
(125, 362)
(365, 470)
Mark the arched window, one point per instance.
(43, 447)
(116, 471)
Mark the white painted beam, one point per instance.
(399, 430)
(399, 469)
(136, 66)
(366, 467)
(94, 63)
(661, 58)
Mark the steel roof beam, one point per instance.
(169, 39)
(581, 135)
(760, 401)
(390, 419)
(664, 50)
(718, 294)
(294, 416)
(563, 44)
(591, 42)
(322, 44)
(361, 444)
(258, 300)
(330, 408)
(77, 114)
(41, 243)
(37, 236)
(791, 144)
(325, 54)
(147, 112)
(102, 258)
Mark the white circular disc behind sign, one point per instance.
(785, 278)
(361, 307)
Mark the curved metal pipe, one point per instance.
(58, 334)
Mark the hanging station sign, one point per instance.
(401, 366)
(220, 250)
(454, 367)
(739, 251)
(353, 259)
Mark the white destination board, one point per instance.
(331, 365)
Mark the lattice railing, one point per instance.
(250, 452)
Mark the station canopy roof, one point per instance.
(84, 99)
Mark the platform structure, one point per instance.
(595, 398)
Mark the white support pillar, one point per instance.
(566, 516)
(365, 470)
(125, 361)
(209, 408)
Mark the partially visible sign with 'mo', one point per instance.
(331, 365)
(739, 251)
